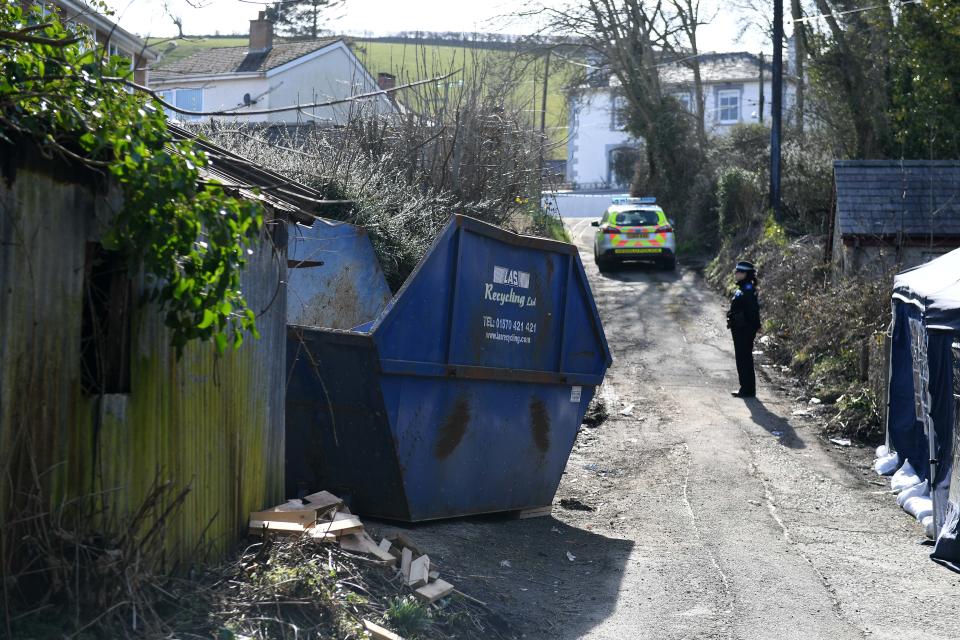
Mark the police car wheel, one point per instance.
(669, 264)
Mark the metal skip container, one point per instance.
(463, 395)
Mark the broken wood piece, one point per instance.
(434, 591)
(340, 527)
(379, 633)
(537, 512)
(361, 543)
(406, 559)
(402, 540)
(320, 535)
(304, 517)
(278, 526)
(385, 545)
(419, 572)
(323, 500)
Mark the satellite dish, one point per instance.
(247, 100)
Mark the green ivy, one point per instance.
(189, 239)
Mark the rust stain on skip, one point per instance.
(540, 425)
(452, 430)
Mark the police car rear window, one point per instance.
(637, 218)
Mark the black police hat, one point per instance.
(745, 266)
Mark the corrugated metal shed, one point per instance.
(884, 198)
(215, 424)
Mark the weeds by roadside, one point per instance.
(822, 330)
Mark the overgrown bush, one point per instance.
(819, 328)
(739, 199)
(472, 153)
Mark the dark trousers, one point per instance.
(743, 347)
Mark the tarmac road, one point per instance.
(712, 517)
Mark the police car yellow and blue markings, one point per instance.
(646, 240)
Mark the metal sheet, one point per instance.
(335, 280)
(458, 416)
(215, 424)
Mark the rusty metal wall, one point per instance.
(215, 424)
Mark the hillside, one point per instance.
(411, 61)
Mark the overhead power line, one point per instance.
(821, 16)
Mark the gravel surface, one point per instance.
(691, 514)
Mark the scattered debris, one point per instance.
(575, 505)
(801, 412)
(505, 564)
(596, 413)
(434, 591)
(627, 410)
(816, 401)
(842, 442)
(323, 517)
(777, 433)
(379, 633)
(571, 557)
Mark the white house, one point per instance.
(267, 75)
(117, 41)
(732, 91)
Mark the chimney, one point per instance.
(386, 80)
(261, 34)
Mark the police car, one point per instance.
(634, 229)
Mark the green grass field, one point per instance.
(411, 62)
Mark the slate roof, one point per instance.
(220, 60)
(740, 66)
(884, 197)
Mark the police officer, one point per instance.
(743, 320)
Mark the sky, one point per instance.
(385, 17)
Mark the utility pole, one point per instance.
(761, 87)
(543, 118)
(777, 108)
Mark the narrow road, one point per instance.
(712, 517)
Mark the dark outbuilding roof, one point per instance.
(286, 197)
(219, 60)
(885, 197)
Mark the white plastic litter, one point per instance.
(571, 557)
(627, 410)
(918, 490)
(905, 478)
(886, 464)
(882, 451)
(841, 442)
(927, 524)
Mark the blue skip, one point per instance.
(463, 395)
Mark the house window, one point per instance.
(190, 99)
(618, 115)
(105, 332)
(685, 101)
(728, 106)
(621, 165)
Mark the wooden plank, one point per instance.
(304, 517)
(379, 633)
(406, 559)
(538, 512)
(340, 527)
(322, 500)
(434, 591)
(363, 543)
(403, 540)
(257, 526)
(419, 572)
(385, 545)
